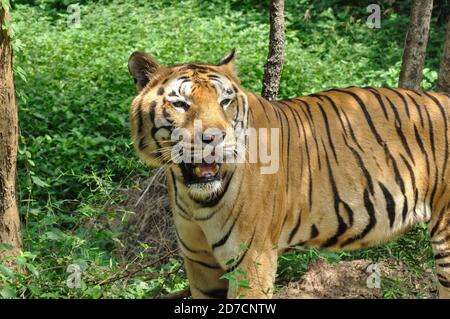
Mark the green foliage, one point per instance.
(74, 92)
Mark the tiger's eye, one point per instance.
(225, 102)
(181, 105)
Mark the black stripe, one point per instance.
(390, 204)
(311, 122)
(398, 128)
(435, 184)
(214, 200)
(167, 116)
(422, 149)
(398, 178)
(294, 115)
(443, 281)
(151, 112)
(217, 293)
(411, 174)
(417, 108)
(444, 265)
(327, 127)
(308, 161)
(370, 225)
(314, 232)
(185, 246)
(444, 116)
(196, 67)
(442, 255)
(431, 133)
(441, 241)
(202, 263)
(438, 221)
(184, 214)
(366, 114)
(142, 145)
(140, 120)
(241, 258)
(342, 226)
(234, 205)
(296, 118)
(288, 148)
(444, 228)
(312, 128)
(405, 104)
(262, 105)
(361, 165)
(350, 128)
(377, 95)
(295, 229)
(224, 239)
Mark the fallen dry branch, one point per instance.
(129, 274)
(182, 294)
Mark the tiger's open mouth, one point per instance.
(201, 173)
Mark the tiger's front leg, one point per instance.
(256, 270)
(203, 270)
(204, 278)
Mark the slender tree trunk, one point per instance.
(416, 44)
(10, 230)
(444, 73)
(275, 59)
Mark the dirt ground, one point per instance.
(350, 280)
(149, 228)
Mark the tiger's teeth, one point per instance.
(215, 168)
(197, 171)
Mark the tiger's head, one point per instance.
(188, 117)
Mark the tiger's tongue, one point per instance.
(204, 170)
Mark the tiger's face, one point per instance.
(188, 118)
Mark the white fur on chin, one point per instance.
(204, 191)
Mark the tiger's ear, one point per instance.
(228, 63)
(142, 68)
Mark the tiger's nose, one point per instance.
(213, 138)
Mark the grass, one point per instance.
(74, 92)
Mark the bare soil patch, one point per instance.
(348, 280)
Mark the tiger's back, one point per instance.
(361, 165)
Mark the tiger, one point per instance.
(358, 166)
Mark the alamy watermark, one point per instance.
(74, 17)
(74, 278)
(374, 19)
(250, 145)
(374, 278)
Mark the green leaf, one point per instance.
(8, 292)
(55, 234)
(243, 284)
(32, 269)
(7, 272)
(4, 246)
(39, 182)
(5, 5)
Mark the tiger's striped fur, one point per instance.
(358, 167)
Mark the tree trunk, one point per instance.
(416, 44)
(444, 73)
(275, 59)
(10, 230)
